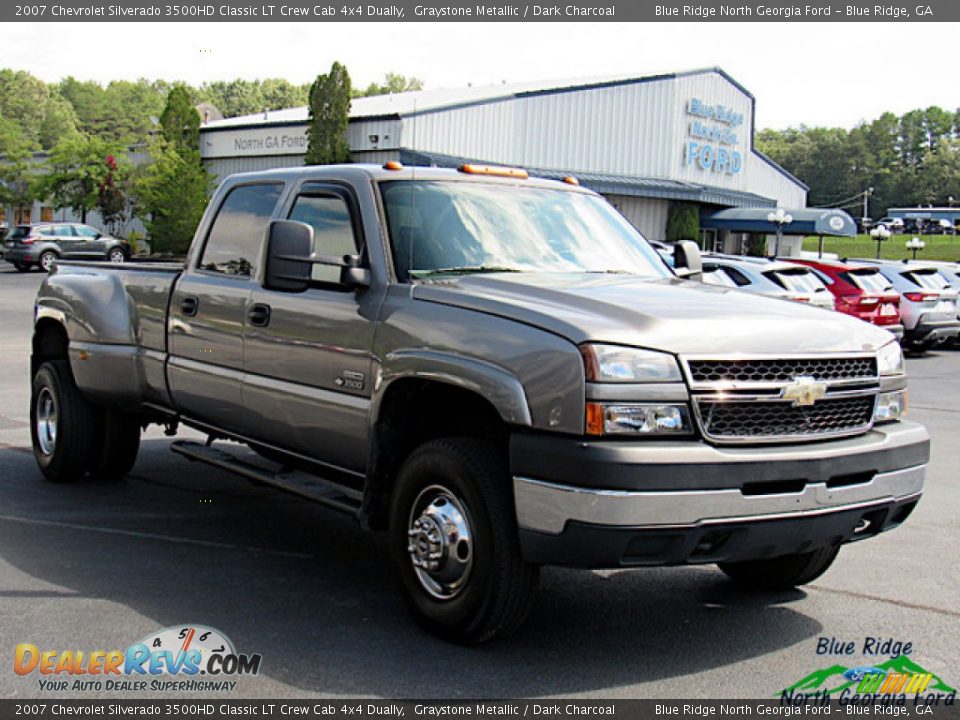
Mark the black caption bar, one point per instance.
(881, 707)
(485, 11)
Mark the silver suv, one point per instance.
(928, 303)
(42, 244)
(773, 278)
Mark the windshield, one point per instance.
(452, 227)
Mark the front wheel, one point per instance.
(117, 255)
(781, 573)
(454, 542)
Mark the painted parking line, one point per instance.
(152, 536)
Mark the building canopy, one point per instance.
(806, 221)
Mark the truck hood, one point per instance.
(672, 315)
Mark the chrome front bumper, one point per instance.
(548, 507)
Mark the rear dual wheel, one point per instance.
(73, 438)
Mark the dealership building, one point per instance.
(643, 142)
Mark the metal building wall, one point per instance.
(646, 215)
(222, 167)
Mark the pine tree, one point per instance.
(329, 115)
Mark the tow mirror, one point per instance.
(687, 262)
(290, 262)
(288, 256)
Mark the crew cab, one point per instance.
(497, 371)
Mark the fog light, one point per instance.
(637, 419)
(891, 406)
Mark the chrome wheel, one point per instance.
(440, 542)
(46, 421)
(117, 256)
(47, 260)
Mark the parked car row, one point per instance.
(42, 244)
(917, 301)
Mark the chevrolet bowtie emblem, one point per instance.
(804, 391)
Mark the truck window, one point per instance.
(239, 230)
(332, 230)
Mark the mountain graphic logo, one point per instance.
(837, 678)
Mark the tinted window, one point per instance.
(799, 280)
(21, 231)
(48, 231)
(239, 229)
(85, 231)
(718, 276)
(929, 279)
(870, 281)
(332, 230)
(62, 231)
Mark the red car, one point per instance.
(860, 291)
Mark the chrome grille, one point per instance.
(760, 421)
(756, 371)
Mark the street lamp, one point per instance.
(780, 217)
(880, 234)
(915, 244)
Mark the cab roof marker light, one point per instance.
(571, 180)
(496, 170)
(392, 165)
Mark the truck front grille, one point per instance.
(762, 421)
(770, 371)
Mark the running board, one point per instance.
(295, 481)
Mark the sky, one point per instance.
(835, 74)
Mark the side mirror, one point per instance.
(289, 244)
(687, 262)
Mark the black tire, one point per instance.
(22, 267)
(74, 449)
(120, 253)
(120, 445)
(781, 573)
(499, 588)
(46, 260)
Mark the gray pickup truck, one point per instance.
(496, 370)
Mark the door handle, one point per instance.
(189, 305)
(259, 315)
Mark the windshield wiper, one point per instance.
(463, 270)
(608, 272)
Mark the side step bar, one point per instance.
(295, 481)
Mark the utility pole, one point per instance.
(866, 196)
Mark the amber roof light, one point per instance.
(393, 165)
(497, 170)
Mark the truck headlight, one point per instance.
(891, 406)
(616, 363)
(890, 359)
(637, 419)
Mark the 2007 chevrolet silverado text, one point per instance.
(496, 370)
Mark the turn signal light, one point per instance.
(497, 170)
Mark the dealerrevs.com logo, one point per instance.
(180, 658)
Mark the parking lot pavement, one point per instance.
(99, 566)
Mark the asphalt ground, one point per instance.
(100, 566)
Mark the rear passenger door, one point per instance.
(308, 355)
(208, 311)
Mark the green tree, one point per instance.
(392, 83)
(172, 191)
(683, 222)
(180, 122)
(76, 170)
(329, 116)
(17, 181)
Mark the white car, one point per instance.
(774, 278)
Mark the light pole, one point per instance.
(880, 235)
(915, 244)
(779, 217)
